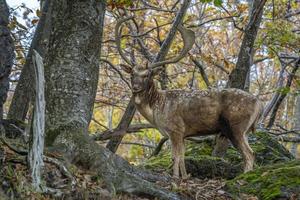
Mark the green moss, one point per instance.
(162, 161)
(269, 182)
(196, 149)
(193, 151)
(70, 129)
(201, 164)
(268, 150)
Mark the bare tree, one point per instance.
(238, 77)
(24, 92)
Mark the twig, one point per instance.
(283, 133)
(138, 144)
(159, 146)
(212, 20)
(115, 69)
(97, 122)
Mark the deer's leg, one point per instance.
(221, 146)
(247, 153)
(175, 158)
(249, 162)
(178, 151)
(183, 172)
(240, 141)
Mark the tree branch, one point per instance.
(202, 72)
(108, 134)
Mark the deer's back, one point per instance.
(198, 112)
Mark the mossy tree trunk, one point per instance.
(72, 63)
(6, 55)
(72, 68)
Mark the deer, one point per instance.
(178, 114)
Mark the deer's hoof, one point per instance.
(248, 169)
(186, 177)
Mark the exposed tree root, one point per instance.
(117, 173)
(20, 158)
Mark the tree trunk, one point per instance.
(35, 155)
(297, 113)
(283, 95)
(6, 55)
(72, 64)
(71, 81)
(24, 92)
(238, 77)
(114, 143)
(272, 102)
(295, 144)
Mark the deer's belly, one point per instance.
(202, 124)
(203, 129)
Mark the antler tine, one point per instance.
(118, 39)
(188, 40)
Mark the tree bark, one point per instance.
(297, 113)
(71, 81)
(238, 76)
(114, 143)
(72, 65)
(36, 150)
(202, 71)
(6, 55)
(296, 140)
(282, 96)
(272, 102)
(24, 91)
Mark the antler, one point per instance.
(118, 36)
(188, 40)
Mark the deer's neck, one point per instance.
(147, 101)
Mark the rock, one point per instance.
(201, 164)
(278, 181)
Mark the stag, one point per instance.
(178, 114)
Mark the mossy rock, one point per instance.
(268, 150)
(278, 181)
(201, 164)
(198, 162)
(211, 167)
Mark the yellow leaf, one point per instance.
(34, 21)
(38, 13)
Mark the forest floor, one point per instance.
(276, 177)
(15, 182)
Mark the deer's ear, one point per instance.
(126, 68)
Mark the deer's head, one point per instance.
(140, 79)
(141, 76)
